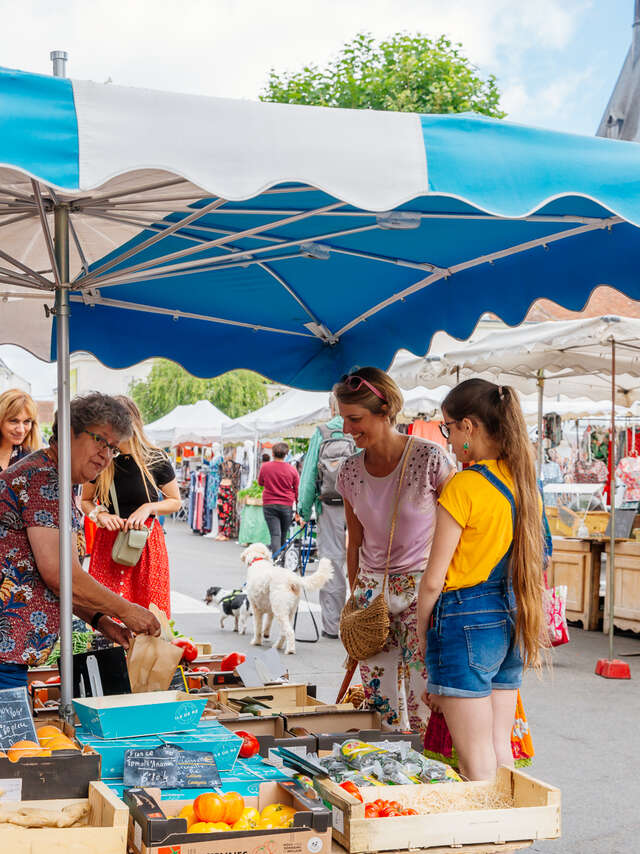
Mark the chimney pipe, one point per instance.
(59, 60)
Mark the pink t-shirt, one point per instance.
(373, 500)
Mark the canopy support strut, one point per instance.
(612, 497)
(62, 311)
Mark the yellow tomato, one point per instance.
(188, 813)
(274, 809)
(243, 823)
(220, 826)
(201, 827)
(267, 824)
(251, 814)
(283, 819)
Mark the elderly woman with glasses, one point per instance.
(138, 486)
(29, 547)
(394, 482)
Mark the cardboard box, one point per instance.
(284, 699)
(209, 735)
(535, 814)
(64, 774)
(129, 715)
(311, 833)
(106, 832)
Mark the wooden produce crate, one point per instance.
(534, 814)
(105, 833)
(338, 720)
(286, 699)
(271, 732)
(204, 649)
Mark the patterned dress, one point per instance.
(29, 610)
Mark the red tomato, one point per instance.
(386, 811)
(371, 811)
(380, 802)
(391, 813)
(409, 812)
(395, 806)
(199, 669)
(350, 787)
(189, 650)
(53, 680)
(231, 661)
(250, 744)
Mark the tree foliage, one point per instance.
(169, 385)
(405, 73)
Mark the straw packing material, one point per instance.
(444, 798)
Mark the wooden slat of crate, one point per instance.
(105, 834)
(507, 848)
(535, 815)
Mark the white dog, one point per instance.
(274, 591)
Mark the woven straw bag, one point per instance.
(364, 631)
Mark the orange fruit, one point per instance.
(234, 807)
(61, 742)
(47, 732)
(201, 827)
(209, 807)
(188, 813)
(26, 748)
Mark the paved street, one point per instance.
(585, 729)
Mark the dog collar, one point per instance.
(253, 560)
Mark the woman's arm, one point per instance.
(445, 542)
(170, 503)
(103, 519)
(354, 541)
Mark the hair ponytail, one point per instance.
(498, 409)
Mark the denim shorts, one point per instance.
(470, 646)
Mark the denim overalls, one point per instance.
(470, 646)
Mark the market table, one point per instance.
(576, 564)
(626, 568)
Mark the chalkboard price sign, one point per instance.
(16, 723)
(170, 767)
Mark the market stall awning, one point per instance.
(200, 423)
(293, 240)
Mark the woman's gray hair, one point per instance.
(95, 408)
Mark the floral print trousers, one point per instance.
(395, 679)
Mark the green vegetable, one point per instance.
(253, 491)
(80, 642)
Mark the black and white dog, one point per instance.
(233, 603)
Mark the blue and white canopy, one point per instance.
(296, 241)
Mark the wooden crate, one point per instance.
(535, 815)
(106, 832)
(287, 699)
(576, 564)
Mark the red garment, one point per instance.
(144, 583)
(280, 481)
(90, 529)
(29, 610)
(428, 430)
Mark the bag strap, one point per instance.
(114, 498)
(395, 509)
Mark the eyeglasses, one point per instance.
(355, 383)
(444, 428)
(114, 450)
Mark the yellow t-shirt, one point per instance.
(484, 514)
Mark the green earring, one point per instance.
(466, 446)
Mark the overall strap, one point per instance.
(501, 569)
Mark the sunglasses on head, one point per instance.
(354, 382)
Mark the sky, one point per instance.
(556, 61)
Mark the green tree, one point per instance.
(169, 385)
(405, 73)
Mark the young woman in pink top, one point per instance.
(369, 402)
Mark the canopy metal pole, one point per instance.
(540, 384)
(612, 496)
(61, 237)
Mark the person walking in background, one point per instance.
(280, 481)
(123, 497)
(328, 449)
(29, 544)
(19, 433)
(400, 471)
(480, 607)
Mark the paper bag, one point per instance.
(152, 661)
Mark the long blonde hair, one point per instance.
(145, 454)
(498, 409)
(12, 402)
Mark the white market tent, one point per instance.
(199, 422)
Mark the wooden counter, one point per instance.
(627, 587)
(576, 563)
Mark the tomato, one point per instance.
(371, 810)
(395, 806)
(189, 650)
(391, 813)
(379, 802)
(410, 812)
(231, 661)
(385, 811)
(250, 744)
(209, 807)
(234, 807)
(199, 669)
(52, 680)
(350, 787)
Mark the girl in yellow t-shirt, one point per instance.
(480, 613)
